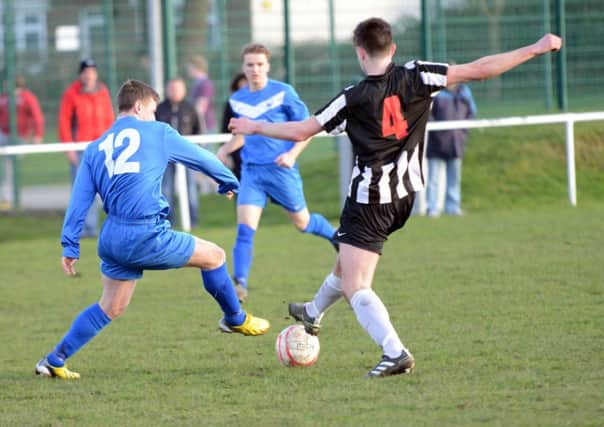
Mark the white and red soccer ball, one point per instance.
(295, 347)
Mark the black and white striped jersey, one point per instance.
(385, 118)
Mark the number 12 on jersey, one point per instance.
(393, 122)
(121, 164)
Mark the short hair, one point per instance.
(374, 35)
(199, 63)
(255, 48)
(133, 91)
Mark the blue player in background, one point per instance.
(125, 166)
(269, 167)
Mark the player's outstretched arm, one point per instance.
(494, 65)
(292, 131)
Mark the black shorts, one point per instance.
(368, 226)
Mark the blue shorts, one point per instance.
(282, 185)
(128, 247)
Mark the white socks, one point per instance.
(328, 294)
(373, 317)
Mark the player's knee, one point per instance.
(215, 257)
(302, 223)
(300, 226)
(114, 310)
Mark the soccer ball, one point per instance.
(297, 348)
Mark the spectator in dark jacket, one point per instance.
(181, 115)
(84, 114)
(446, 147)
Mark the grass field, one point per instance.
(503, 309)
(503, 312)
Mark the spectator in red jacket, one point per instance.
(30, 119)
(85, 113)
(30, 128)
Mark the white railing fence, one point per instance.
(345, 152)
(569, 119)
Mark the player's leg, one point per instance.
(211, 259)
(167, 188)
(453, 188)
(114, 300)
(251, 200)
(312, 223)
(193, 196)
(248, 218)
(311, 313)
(435, 166)
(358, 268)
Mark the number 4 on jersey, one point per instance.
(393, 122)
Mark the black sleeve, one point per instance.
(227, 115)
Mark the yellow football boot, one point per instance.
(45, 369)
(250, 326)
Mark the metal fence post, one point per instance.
(547, 59)
(183, 196)
(11, 172)
(570, 161)
(169, 38)
(288, 48)
(110, 46)
(156, 53)
(426, 31)
(562, 76)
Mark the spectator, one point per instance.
(237, 83)
(85, 113)
(202, 93)
(445, 148)
(30, 128)
(202, 97)
(180, 114)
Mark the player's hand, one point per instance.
(241, 126)
(286, 160)
(548, 43)
(229, 195)
(68, 265)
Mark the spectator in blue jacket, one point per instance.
(446, 147)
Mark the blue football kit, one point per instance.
(125, 166)
(261, 177)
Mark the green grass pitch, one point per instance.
(503, 310)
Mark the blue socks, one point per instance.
(218, 284)
(242, 253)
(319, 226)
(84, 328)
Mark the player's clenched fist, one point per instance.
(548, 43)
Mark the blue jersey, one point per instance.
(276, 102)
(125, 167)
